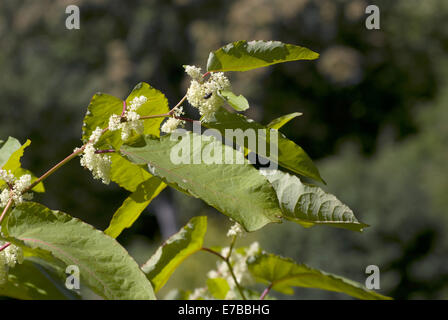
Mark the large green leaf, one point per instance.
(309, 205)
(290, 155)
(237, 190)
(134, 205)
(174, 251)
(105, 266)
(102, 106)
(284, 274)
(30, 281)
(243, 55)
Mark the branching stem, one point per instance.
(229, 265)
(5, 210)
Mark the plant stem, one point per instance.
(214, 252)
(231, 247)
(185, 119)
(178, 104)
(8, 205)
(227, 261)
(235, 280)
(105, 151)
(163, 115)
(266, 291)
(124, 109)
(6, 245)
(55, 168)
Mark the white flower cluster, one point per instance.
(194, 72)
(203, 95)
(172, 123)
(198, 293)
(99, 164)
(239, 266)
(9, 257)
(236, 230)
(132, 123)
(18, 186)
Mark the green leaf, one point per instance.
(134, 205)
(14, 151)
(13, 162)
(126, 174)
(290, 155)
(309, 205)
(105, 266)
(239, 103)
(7, 149)
(243, 55)
(30, 281)
(284, 274)
(237, 190)
(281, 121)
(218, 287)
(174, 251)
(102, 106)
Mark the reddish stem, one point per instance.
(265, 292)
(105, 151)
(6, 245)
(8, 205)
(124, 109)
(185, 119)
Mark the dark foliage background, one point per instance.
(374, 104)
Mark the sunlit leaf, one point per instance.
(281, 121)
(243, 55)
(239, 103)
(174, 251)
(102, 106)
(283, 274)
(10, 154)
(134, 205)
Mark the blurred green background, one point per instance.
(375, 119)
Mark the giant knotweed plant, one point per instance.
(125, 142)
